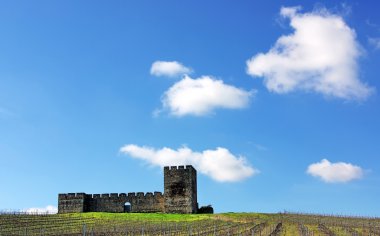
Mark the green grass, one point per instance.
(142, 216)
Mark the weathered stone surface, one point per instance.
(71, 202)
(111, 202)
(180, 189)
(180, 196)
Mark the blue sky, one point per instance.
(276, 104)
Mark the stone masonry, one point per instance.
(180, 196)
(180, 189)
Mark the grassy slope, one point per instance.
(141, 216)
(237, 217)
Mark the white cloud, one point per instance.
(335, 172)
(169, 68)
(45, 210)
(289, 11)
(321, 56)
(375, 42)
(219, 164)
(203, 95)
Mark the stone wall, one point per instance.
(81, 202)
(71, 202)
(147, 203)
(180, 191)
(105, 202)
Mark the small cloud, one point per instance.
(156, 112)
(169, 68)
(202, 96)
(335, 172)
(375, 42)
(220, 164)
(260, 147)
(321, 56)
(45, 210)
(289, 11)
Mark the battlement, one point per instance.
(67, 196)
(158, 194)
(141, 194)
(178, 168)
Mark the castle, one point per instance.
(180, 196)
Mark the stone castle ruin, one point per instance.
(180, 196)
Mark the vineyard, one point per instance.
(115, 224)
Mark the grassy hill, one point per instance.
(177, 224)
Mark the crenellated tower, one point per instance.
(180, 189)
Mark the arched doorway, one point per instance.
(127, 207)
